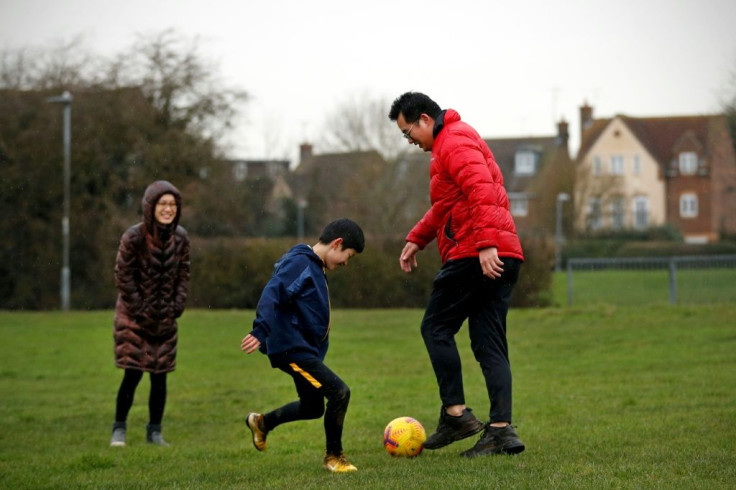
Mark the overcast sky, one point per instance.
(510, 68)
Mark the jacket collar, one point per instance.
(439, 123)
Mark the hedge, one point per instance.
(231, 272)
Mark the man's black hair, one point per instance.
(348, 230)
(412, 105)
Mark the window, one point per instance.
(618, 212)
(524, 162)
(520, 207)
(597, 166)
(636, 165)
(594, 213)
(688, 163)
(641, 214)
(241, 171)
(617, 165)
(688, 205)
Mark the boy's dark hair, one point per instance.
(412, 105)
(348, 230)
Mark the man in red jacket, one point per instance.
(481, 258)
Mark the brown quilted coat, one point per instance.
(152, 275)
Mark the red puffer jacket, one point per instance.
(470, 207)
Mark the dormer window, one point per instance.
(688, 163)
(525, 162)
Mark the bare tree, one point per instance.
(395, 198)
(594, 188)
(360, 123)
(64, 64)
(179, 82)
(557, 176)
(729, 104)
(154, 112)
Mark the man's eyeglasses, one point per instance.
(407, 133)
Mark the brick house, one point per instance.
(243, 169)
(535, 170)
(337, 185)
(638, 173)
(391, 198)
(277, 171)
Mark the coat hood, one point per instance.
(150, 198)
(300, 249)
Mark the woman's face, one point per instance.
(165, 209)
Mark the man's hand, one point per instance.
(490, 262)
(408, 258)
(250, 344)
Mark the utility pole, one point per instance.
(559, 237)
(66, 100)
(300, 207)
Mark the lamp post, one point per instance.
(66, 100)
(559, 237)
(300, 206)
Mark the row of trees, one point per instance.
(155, 111)
(149, 113)
(729, 104)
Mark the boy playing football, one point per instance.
(292, 327)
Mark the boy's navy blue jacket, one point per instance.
(293, 315)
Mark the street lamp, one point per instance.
(66, 100)
(300, 206)
(559, 238)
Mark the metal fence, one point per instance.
(671, 264)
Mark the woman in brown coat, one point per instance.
(151, 274)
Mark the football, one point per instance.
(404, 437)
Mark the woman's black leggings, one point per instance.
(156, 400)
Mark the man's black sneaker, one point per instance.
(451, 429)
(496, 440)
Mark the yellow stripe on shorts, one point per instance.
(306, 375)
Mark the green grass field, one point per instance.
(647, 287)
(605, 397)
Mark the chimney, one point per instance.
(586, 118)
(563, 136)
(305, 152)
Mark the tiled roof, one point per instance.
(591, 135)
(504, 150)
(658, 134)
(334, 170)
(337, 162)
